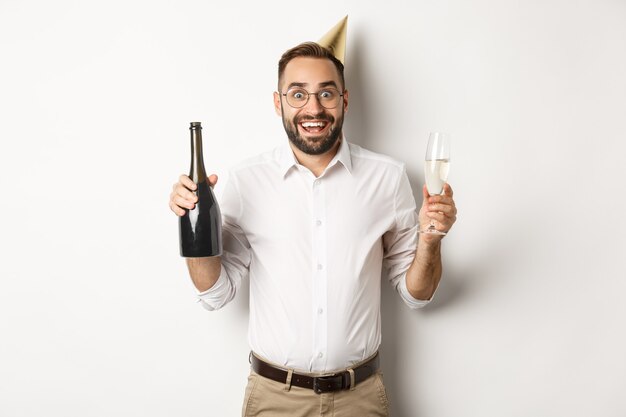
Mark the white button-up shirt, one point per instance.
(314, 250)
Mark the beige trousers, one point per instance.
(267, 398)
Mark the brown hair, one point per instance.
(313, 50)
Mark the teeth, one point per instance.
(313, 124)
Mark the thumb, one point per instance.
(212, 180)
(425, 194)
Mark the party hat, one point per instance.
(335, 40)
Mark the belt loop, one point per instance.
(288, 382)
(352, 381)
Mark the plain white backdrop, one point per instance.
(97, 313)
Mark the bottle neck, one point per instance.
(197, 172)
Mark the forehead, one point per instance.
(311, 71)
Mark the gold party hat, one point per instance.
(335, 40)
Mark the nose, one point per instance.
(313, 104)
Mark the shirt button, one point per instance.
(319, 222)
(319, 355)
(319, 267)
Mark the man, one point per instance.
(312, 224)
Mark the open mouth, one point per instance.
(315, 126)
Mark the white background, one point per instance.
(97, 313)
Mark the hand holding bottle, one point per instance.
(183, 196)
(200, 223)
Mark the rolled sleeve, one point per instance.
(219, 294)
(408, 299)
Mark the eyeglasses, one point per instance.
(328, 98)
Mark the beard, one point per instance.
(314, 145)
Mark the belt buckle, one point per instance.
(330, 383)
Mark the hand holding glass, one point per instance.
(436, 168)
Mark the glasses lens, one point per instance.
(297, 97)
(329, 98)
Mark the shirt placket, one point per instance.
(320, 275)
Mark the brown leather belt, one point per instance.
(319, 384)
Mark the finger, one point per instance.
(441, 199)
(212, 180)
(184, 192)
(425, 192)
(187, 182)
(434, 203)
(177, 210)
(182, 202)
(445, 208)
(447, 190)
(184, 195)
(440, 217)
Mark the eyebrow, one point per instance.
(322, 84)
(329, 83)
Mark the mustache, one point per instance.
(321, 116)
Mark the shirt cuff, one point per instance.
(411, 301)
(214, 298)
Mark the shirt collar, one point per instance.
(343, 156)
(287, 159)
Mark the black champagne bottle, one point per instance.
(200, 229)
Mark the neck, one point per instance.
(316, 163)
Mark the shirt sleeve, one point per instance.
(235, 251)
(400, 242)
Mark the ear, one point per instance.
(345, 101)
(277, 104)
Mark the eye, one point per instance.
(298, 95)
(326, 94)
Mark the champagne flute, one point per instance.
(436, 168)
